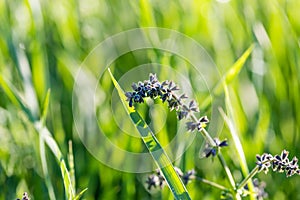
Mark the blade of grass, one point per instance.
(230, 75)
(160, 157)
(45, 170)
(71, 165)
(80, 194)
(51, 143)
(236, 141)
(43, 152)
(14, 97)
(12, 94)
(45, 106)
(147, 18)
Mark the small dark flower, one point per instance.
(25, 196)
(281, 163)
(178, 171)
(137, 98)
(259, 189)
(221, 143)
(182, 114)
(174, 104)
(294, 163)
(204, 120)
(166, 96)
(264, 162)
(152, 181)
(193, 106)
(134, 86)
(172, 86)
(191, 126)
(183, 96)
(188, 176)
(160, 177)
(213, 150)
(153, 78)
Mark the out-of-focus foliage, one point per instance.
(49, 40)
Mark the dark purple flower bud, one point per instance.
(182, 114)
(204, 119)
(178, 171)
(165, 83)
(223, 143)
(191, 126)
(183, 96)
(152, 181)
(134, 86)
(188, 176)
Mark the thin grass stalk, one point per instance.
(45, 169)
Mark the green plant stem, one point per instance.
(248, 178)
(229, 175)
(205, 134)
(213, 184)
(252, 174)
(212, 143)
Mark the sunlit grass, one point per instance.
(42, 44)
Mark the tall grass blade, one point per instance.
(45, 106)
(160, 157)
(12, 94)
(230, 75)
(235, 69)
(45, 170)
(80, 194)
(236, 141)
(14, 97)
(48, 139)
(71, 165)
(147, 18)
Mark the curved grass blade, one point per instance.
(160, 157)
(80, 194)
(228, 77)
(236, 141)
(44, 133)
(45, 170)
(71, 165)
(14, 97)
(45, 106)
(51, 143)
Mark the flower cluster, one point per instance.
(157, 179)
(166, 92)
(279, 163)
(213, 150)
(259, 189)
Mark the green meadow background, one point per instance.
(43, 43)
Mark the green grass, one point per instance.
(43, 44)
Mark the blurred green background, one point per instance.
(50, 39)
